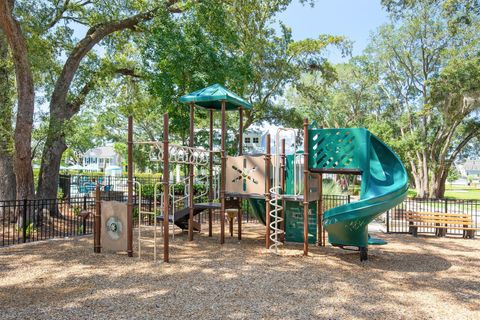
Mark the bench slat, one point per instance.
(445, 227)
(438, 214)
(441, 221)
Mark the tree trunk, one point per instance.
(418, 172)
(7, 176)
(50, 167)
(437, 187)
(26, 99)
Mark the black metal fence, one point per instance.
(396, 218)
(32, 220)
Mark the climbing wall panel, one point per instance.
(338, 148)
(245, 175)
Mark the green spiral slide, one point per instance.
(384, 181)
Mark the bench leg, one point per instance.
(469, 234)
(441, 232)
(414, 231)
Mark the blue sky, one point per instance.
(355, 19)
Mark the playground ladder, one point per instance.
(276, 219)
(147, 214)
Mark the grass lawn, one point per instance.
(456, 192)
(463, 194)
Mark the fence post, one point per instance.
(348, 198)
(388, 221)
(24, 222)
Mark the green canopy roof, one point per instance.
(211, 98)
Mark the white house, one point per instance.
(470, 167)
(102, 157)
(252, 140)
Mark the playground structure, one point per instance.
(285, 190)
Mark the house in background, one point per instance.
(469, 168)
(252, 140)
(101, 158)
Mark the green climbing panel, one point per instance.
(294, 221)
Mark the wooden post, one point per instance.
(222, 176)
(267, 192)
(282, 185)
(97, 246)
(210, 173)
(190, 175)
(240, 153)
(130, 188)
(305, 187)
(320, 212)
(166, 207)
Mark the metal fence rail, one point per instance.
(24, 221)
(32, 220)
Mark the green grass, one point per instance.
(466, 194)
(455, 192)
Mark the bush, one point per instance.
(329, 187)
(148, 190)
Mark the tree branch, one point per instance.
(94, 35)
(79, 100)
(128, 72)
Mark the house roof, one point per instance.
(472, 165)
(211, 98)
(101, 152)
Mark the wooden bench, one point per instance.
(441, 222)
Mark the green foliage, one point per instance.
(330, 187)
(416, 87)
(453, 174)
(29, 230)
(80, 229)
(411, 193)
(76, 210)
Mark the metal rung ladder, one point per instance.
(144, 214)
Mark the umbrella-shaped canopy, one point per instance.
(211, 98)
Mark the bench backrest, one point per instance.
(439, 217)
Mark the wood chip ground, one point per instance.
(410, 278)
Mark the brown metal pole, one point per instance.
(239, 219)
(97, 246)
(210, 173)
(282, 185)
(130, 188)
(267, 192)
(222, 176)
(240, 153)
(166, 207)
(305, 187)
(190, 181)
(320, 212)
(240, 135)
